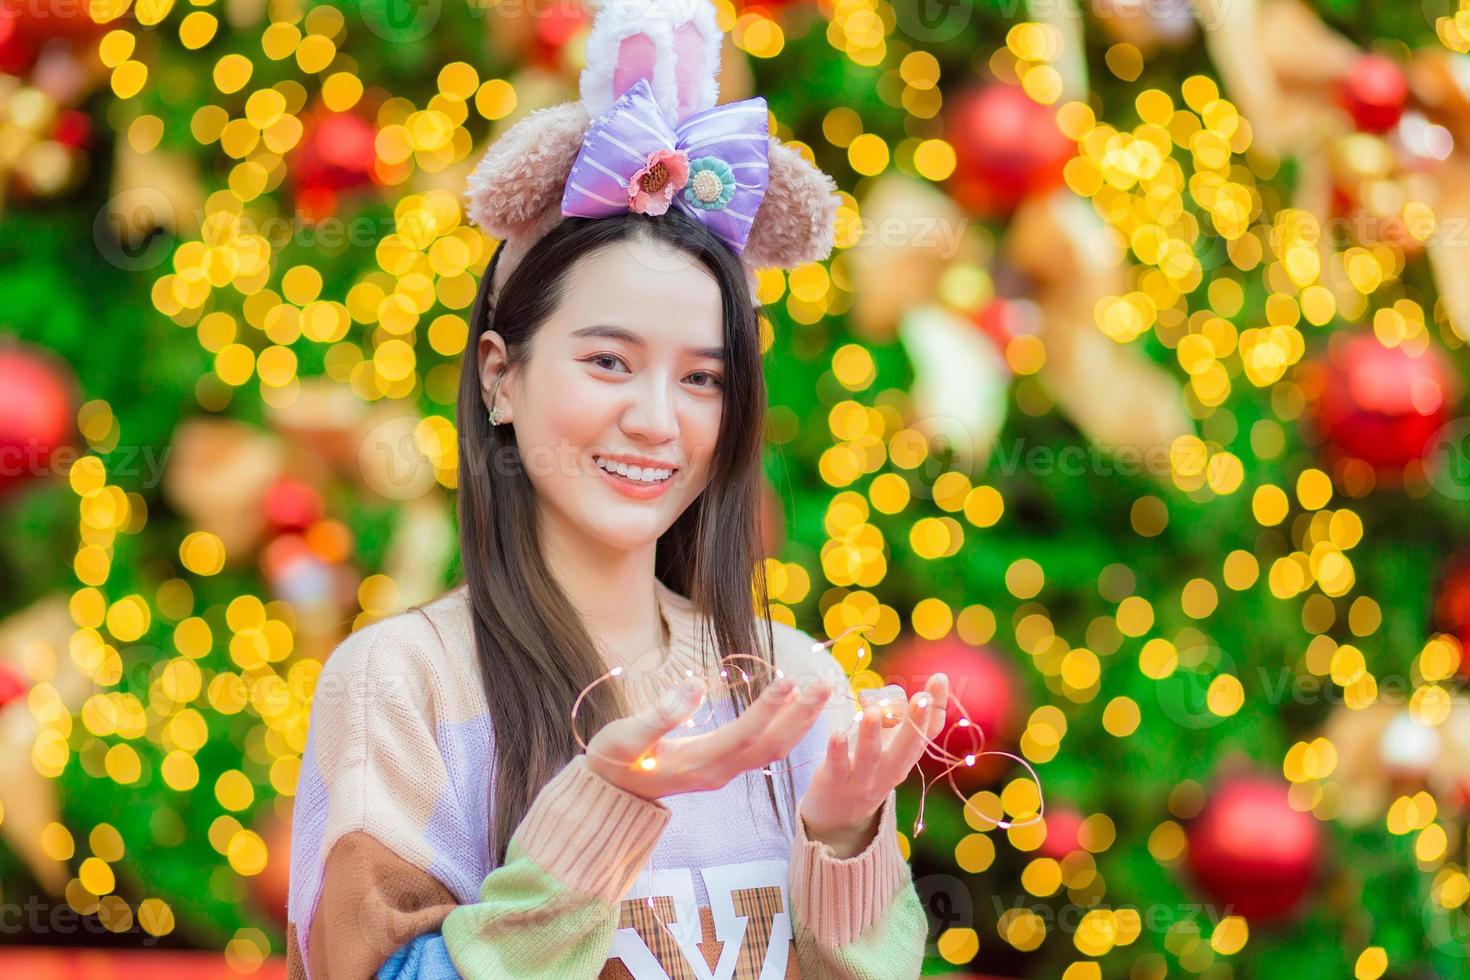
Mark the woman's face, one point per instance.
(626, 374)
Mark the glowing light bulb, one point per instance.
(648, 763)
(969, 760)
(616, 672)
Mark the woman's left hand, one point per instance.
(840, 806)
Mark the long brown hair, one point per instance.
(534, 653)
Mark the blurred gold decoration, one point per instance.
(1070, 57)
(35, 642)
(244, 14)
(1282, 67)
(1384, 752)
(154, 190)
(1398, 177)
(391, 462)
(321, 425)
(218, 473)
(1111, 391)
(912, 232)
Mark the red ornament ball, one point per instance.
(1452, 606)
(337, 155)
(73, 129)
(1007, 148)
(12, 685)
(979, 679)
(1380, 404)
(1251, 852)
(1003, 320)
(36, 412)
(557, 26)
(1063, 827)
(291, 505)
(1374, 93)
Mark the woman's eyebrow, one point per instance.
(629, 337)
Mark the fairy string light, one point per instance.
(890, 706)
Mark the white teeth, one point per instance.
(641, 474)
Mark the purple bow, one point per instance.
(712, 164)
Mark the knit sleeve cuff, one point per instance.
(589, 834)
(838, 899)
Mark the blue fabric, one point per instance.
(421, 958)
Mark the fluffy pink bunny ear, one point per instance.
(797, 219)
(523, 172)
(675, 44)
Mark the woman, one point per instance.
(447, 821)
(403, 716)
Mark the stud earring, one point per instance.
(497, 415)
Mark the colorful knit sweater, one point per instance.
(391, 872)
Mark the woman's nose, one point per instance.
(653, 413)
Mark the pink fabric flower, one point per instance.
(652, 187)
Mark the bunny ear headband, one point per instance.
(645, 136)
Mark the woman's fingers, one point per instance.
(908, 744)
(810, 700)
(938, 688)
(769, 728)
(653, 722)
(869, 750)
(838, 763)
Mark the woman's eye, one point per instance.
(605, 360)
(714, 379)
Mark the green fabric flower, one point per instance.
(711, 183)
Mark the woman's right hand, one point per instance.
(632, 753)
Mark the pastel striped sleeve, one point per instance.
(550, 911)
(857, 918)
(378, 826)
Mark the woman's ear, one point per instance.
(494, 360)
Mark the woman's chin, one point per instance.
(624, 534)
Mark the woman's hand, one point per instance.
(840, 806)
(632, 753)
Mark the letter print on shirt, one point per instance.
(747, 925)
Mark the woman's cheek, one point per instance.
(701, 434)
(575, 407)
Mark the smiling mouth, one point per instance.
(648, 476)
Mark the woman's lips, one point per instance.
(636, 489)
